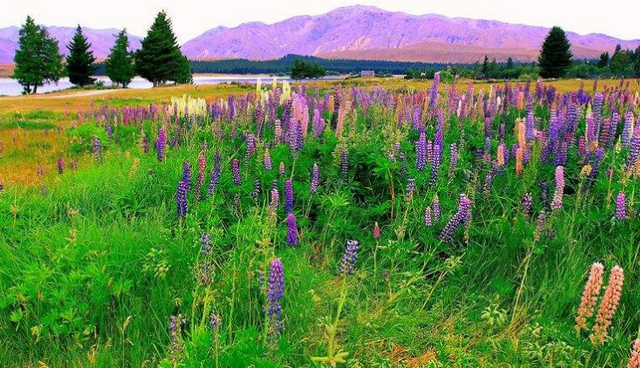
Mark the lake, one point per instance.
(9, 87)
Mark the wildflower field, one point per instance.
(323, 225)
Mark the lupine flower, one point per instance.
(288, 196)
(437, 213)
(454, 158)
(275, 293)
(411, 187)
(214, 178)
(315, 179)
(608, 306)
(589, 296)
(527, 203)
(267, 160)
(428, 221)
(161, 143)
(215, 321)
(344, 163)
(634, 359)
(60, 163)
(186, 174)
(97, 149)
(182, 200)
(421, 152)
(175, 330)
(557, 196)
(256, 189)
(539, 226)
(235, 166)
(292, 230)
(281, 168)
(376, 231)
(348, 261)
(621, 207)
(461, 216)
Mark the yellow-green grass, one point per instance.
(30, 138)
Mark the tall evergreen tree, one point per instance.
(604, 60)
(80, 61)
(160, 59)
(555, 57)
(510, 63)
(485, 67)
(38, 60)
(119, 65)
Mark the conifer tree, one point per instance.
(160, 59)
(80, 61)
(555, 57)
(119, 65)
(38, 60)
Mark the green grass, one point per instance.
(94, 263)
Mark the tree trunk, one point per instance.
(35, 89)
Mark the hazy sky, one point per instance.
(619, 18)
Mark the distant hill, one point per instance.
(101, 40)
(365, 32)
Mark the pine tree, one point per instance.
(604, 60)
(485, 67)
(510, 63)
(555, 57)
(119, 65)
(38, 60)
(160, 59)
(80, 61)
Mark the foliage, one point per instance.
(37, 59)
(80, 60)
(303, 69)
(119, 65)
(160, 59)
(555, 56)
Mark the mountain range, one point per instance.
(357, 32)
(101, 40)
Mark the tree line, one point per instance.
(159, 60)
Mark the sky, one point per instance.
(618, 18)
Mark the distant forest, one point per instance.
(283, 66)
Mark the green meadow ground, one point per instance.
(93, 262)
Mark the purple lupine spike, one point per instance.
(315, 178)
(97, 149)
(256, 189)
(235, 166)
(411, 188)
(214, 178)
(454, 158)
(627, 129)
(292, 230)
(161, 143)
(275, 293)
(349, 258)
(461, 216)
(186, 174)
(288, 196)
(436, 209)
(182, 200)
(60, 163)
(421, 151)
(267, 160)
(435, 164)
(621, 207)
(634, 150)
(428, 217)
(275, 199)
(281, 168)
(527, 204)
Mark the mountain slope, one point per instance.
(369, 32)
(101, 40)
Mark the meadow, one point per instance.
(362, 223)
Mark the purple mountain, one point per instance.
(101, 40)
(366, 32)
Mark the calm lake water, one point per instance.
(9, 87)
